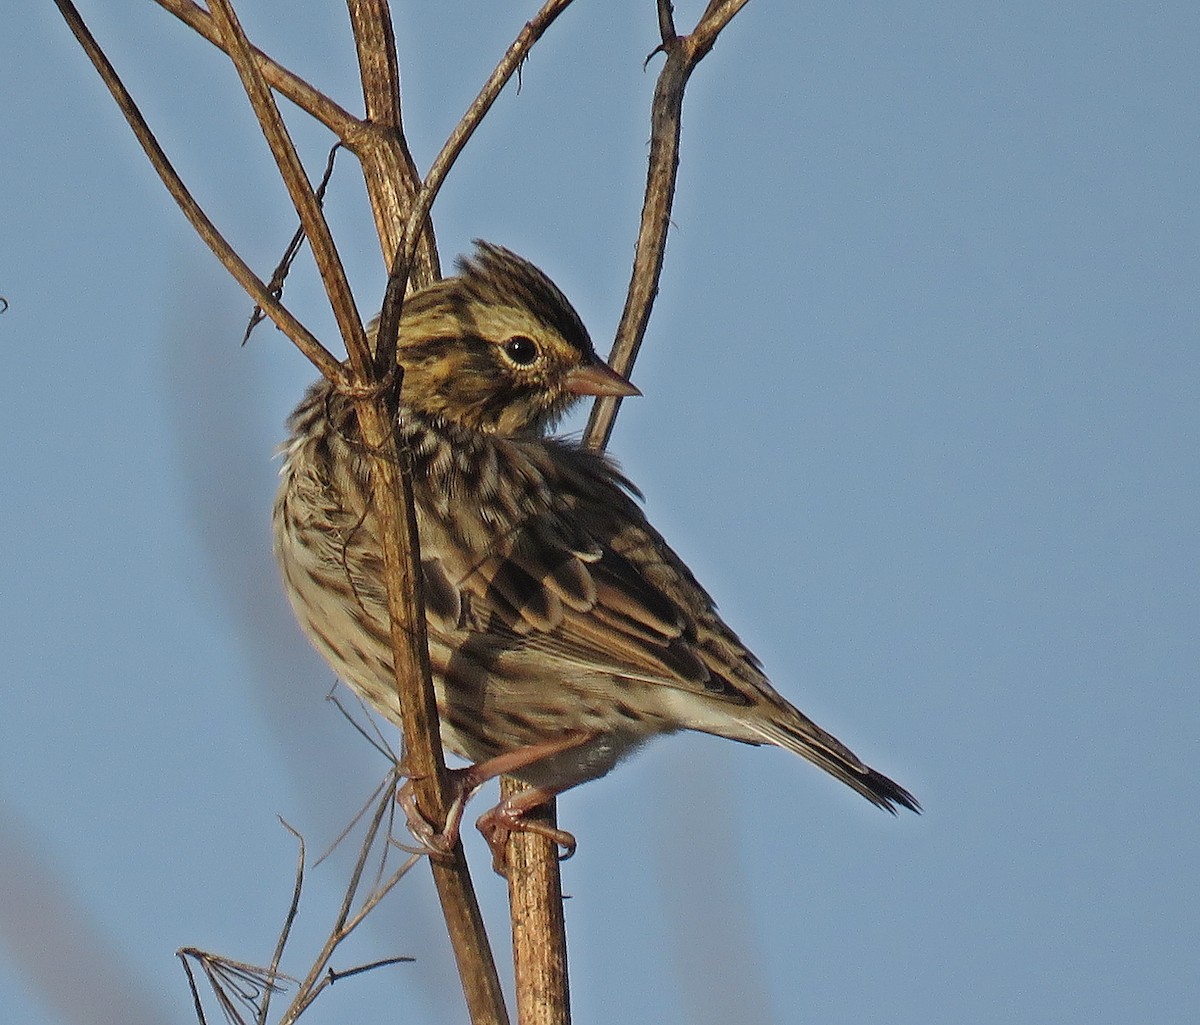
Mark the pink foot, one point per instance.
(432, 841)
(509, 817)
(503, 820)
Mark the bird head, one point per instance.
(498, 348)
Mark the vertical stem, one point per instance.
(538, 931)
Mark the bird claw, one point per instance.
(430, 840)
(506, 818)
(498, 824)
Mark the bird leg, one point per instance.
(506, 818)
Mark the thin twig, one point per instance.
(288, 921)
(318, 979)
(341, 122)
(236, 985)
(683, 53)
(389, 171)
(402, 259)
(304, 197)
(385, 786)
(379, 893)
(292, 249)
(305, 341)
(383, 962)
(197, 1003)
(348, 917)
(361, 862)
(375, 738)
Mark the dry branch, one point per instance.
(375, 392)
(304, 197)
(401, 206)
(304, 340)
(683, 53)
(375, 405)
(401, 262)
(338, 120)
(241, 989)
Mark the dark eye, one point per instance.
(521, 350)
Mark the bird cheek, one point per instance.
(517, 416)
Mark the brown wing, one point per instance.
(586, 581)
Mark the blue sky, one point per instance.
(920, 410)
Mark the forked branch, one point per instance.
(401, 204)
(304, 340)
(244, 991)
(392, 495)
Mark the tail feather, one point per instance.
(808, 740)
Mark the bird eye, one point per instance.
(521, 350)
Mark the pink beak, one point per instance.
(598, 379)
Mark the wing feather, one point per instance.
(588, 583)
